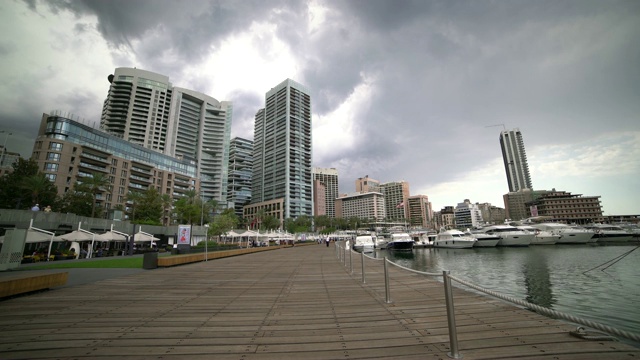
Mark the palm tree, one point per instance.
(134, 197)
(96, 184)
(166, 204)
(39, 188)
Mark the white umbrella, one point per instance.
(142, 236)
(75, 235)
(33, 236)
(111, 236)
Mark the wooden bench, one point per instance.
(22, 282)
(173, 260)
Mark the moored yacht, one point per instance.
(509, 235)
(482, 239)
(568, 234)
(606, 233)
(400, 241)
(364, 243)
(454, 239)
(541, 237)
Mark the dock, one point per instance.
(299, 302)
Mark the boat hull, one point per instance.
(520, 240)
(454, 244)
(400, 245)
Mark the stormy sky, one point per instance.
(401, 90)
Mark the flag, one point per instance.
(400, 205)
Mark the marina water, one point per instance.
(560, 277)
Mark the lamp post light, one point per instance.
(4, 146)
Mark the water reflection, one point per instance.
(537, 280)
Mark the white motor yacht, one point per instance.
(568, 234)
(606, 233)
(509, 235)
(454, 239)
(364, 243)
(483, 239)
(400, 241)
(541, 237)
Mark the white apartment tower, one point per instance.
(515, 160)
(282, 150)
(144, 108)
(329, 177)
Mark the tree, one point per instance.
(223, 223)
(299, 225)
(187, 209)
(95, 184)
(166, 204)
(134, 197)
(150, 208)
(39, 189)
(74, 202)
(12, 196)
(270, 222)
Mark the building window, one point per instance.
(50, 167)
(51, 177)
(53, 156)
(55, 146)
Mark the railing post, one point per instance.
(387, 291)
(362, 259)
(350, 262)
(451, 317)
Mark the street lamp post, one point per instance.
(4, 146)
(206, 233)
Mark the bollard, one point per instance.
(386, 282)
(362, 258)
(451, 317)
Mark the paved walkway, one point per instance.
(291, 303)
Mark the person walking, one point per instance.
(35, 208)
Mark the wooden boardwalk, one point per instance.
(293, 303)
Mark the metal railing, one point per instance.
(341, 249)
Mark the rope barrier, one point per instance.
(552, 313)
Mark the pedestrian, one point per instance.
(47, 209)
(327, 241)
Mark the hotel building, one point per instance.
(368, 205)
(420, 211)
(395, 196)
(67, 152)
(562, 206)
(282, 154)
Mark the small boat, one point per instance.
(400, 241)
(541, 237)
(454, 239)
(424, 240)
(364, 243)
(484, 240)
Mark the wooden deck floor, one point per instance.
(293, 303)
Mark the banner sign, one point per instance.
(184, 234)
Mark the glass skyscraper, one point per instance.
(515, 160)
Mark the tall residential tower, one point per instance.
(329, 177)
(144, 108)
(282, 154)
(515, 160)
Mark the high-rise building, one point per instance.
(420, 211)
(515, 160)
(144, 108)
(240, 167)
(329, 177)
(395, 194)
(319, 200)
(282, 151)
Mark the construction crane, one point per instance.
(503, 127)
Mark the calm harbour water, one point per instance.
(550, 276)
